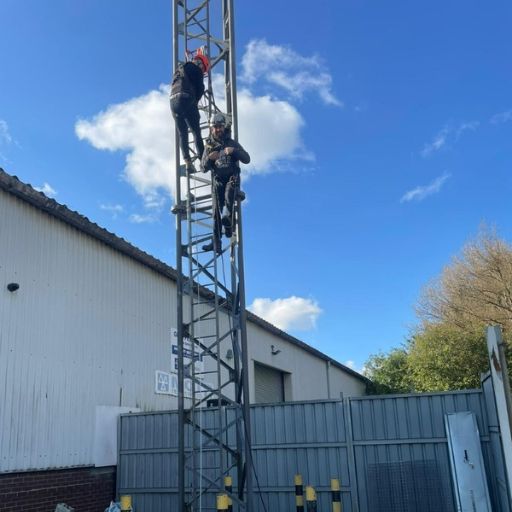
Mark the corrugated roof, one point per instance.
(27, 193)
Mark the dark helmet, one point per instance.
(218, 119)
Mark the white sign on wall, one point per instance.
(167, 384)
(190, 352)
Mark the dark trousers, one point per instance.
(186, 115)
(224, 203)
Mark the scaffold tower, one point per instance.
(213, 386)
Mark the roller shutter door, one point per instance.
(269, 384)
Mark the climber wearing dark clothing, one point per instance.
(187, 88)
(222, 156)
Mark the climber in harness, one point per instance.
(222, 156)
(187, 88)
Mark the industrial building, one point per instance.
(86, 333)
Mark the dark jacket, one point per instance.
(226, 165)
(188, 79)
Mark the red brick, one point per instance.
(85, 489)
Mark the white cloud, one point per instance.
(5, 136)
(269, 129)
(114, 209)
(137, 218)
(448, 134)
(421, 192)
(142, 127)
(502, 117)
(292, 313)
(353, 365)
(47, 190)
(468, 126)
(285, 68)
(438, 142)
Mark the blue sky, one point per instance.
(380, 134)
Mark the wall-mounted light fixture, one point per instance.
(274, 350)
(229, 354)
(12, 287)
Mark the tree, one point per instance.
(388, 372)
(442, 357)
(448, 350)
(474, 290)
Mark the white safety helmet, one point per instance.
(218, 119)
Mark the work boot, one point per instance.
(209, 247)
(226, 222)
(189, 166)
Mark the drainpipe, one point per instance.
(328, 374)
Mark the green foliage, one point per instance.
(442, 358)
(388, 372)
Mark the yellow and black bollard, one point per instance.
(126, 503)
(222, 502)
(335, 495)
(299, 493)
(228, 485)
(310, 499)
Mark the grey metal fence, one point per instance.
(390, 453)
(493, 453)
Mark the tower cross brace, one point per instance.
(214, 434)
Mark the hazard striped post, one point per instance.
(126, 503)
(310, 499)
(335, 495)
(299, 493)
(228, 485)
(222, 502)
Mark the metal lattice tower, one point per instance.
(213, 386)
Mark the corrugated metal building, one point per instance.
(89, 326)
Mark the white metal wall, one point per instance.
(311, 378)
(89, 326)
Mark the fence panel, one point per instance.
(389, 452)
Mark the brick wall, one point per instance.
(84, 489)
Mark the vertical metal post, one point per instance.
(230, 66)
(501, 385)
(352, 474)
(179, 285)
